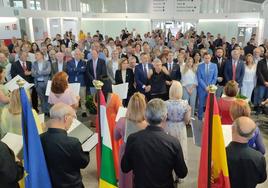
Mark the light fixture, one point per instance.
(230, 20)
(116, 19)
(8, 19)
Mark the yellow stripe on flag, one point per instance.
(104, 184)
(218, 149)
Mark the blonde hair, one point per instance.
(186, 68)
(175, 90)
(121, 61)
(136, 108)
(15, 103)
(239, 108)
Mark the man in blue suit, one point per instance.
(141, 75)
(207, 74)
(76, 69)
(234, 68)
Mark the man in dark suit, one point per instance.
(96, 69)
(231, 47)
(152, 154)
(247, 167)
(234, 68)
(76, 70)
(141, 75)
(65, 40)
(59, 65)
(64, 154)
(219, 60)
(10, 170)
(248, 49)
(262, 82)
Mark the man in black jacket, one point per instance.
(10, 170)
(247, 167)
(64, 154)
(152, 154)
(262, 82)
(219, 60)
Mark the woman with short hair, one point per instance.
(61, 92)
(241, 108)
(178, 116)
(230, 91)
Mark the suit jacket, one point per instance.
(247, 167)
(54, 68)
(76, 74)
(129, 78)
(101, 71)
(220, 69)
(140, 77)
(64, 157)
(110, 71)
(262, 72)
(175, 74)
(240, 71)
(17, 69)
(10, 171)
(153, 155)
(45, 72)
(66, 42)
(203, 81)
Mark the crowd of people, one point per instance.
(168, 80)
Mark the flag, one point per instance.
(36, 172)
(107, 171)
(219, 168)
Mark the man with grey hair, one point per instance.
(64, 154)
(247, 167)
(152, 154)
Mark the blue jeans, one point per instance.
(262, 93)
(41, 90)
(190, 98)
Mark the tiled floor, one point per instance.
(90, 180)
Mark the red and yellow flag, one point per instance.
(219, 168)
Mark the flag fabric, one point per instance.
(219, 168)
(107, 171)
(36, 172)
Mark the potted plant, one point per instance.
(92, 109)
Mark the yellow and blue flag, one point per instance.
(37, 175)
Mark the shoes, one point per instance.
(84, 114)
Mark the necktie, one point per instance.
(234, 70)
(145, 70)
(94, 69)
(170, 67)
(207, 73)
(24, 66)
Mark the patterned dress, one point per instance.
(175, 122)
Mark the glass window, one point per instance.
(138, 6)
(53, 4)
(37, 5)
(17, 3)
(93, 5)
(75, 5)
(65, 6)
(111, 7)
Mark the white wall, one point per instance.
(9, 27)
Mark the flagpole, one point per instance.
(212, 90)
(98, 84)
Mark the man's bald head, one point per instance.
(243, 129)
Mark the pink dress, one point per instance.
(125, 179)
(68, 97)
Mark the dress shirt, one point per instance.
(246, 166)
(23, 65)
(159, 152)
(76, 63)
(60, 66)
(115, 66)
(189, 78)
(170, 66)
(124, 72)
(40, 68)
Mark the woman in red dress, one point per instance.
(230, 92)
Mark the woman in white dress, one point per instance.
(249, 80)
